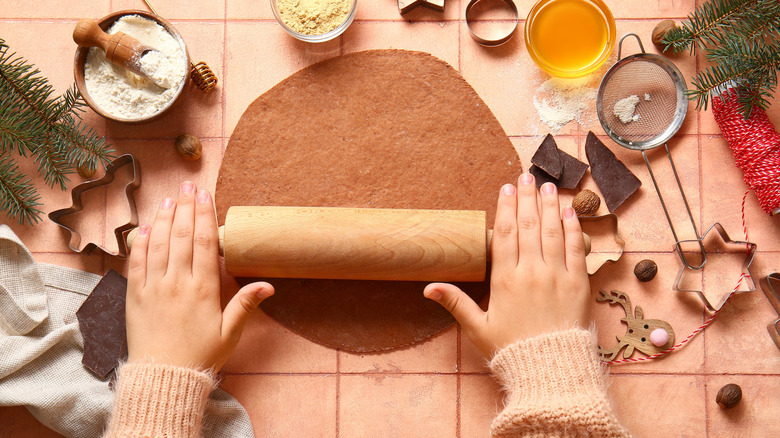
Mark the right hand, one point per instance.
(539, 280)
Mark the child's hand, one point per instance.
(539, 280)
(173, 293)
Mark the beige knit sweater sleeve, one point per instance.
(155, 401)
(555, 387)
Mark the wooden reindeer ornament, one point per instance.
(650, 336)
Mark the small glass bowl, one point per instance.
(540, 8)
(321, 38)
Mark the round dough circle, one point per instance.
(380, 129)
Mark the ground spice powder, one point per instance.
(313, 17)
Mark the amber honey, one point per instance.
(570, 38)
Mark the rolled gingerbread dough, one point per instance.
(383, 129)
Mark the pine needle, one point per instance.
(49, 129)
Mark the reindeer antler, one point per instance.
(638, 329)
(617, 297)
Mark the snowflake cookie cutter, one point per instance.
(74, 240)
(747, 276)
(595, 260)
(771, 287)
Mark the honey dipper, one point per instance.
(121, 49)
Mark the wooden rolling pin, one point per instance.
(121, 49)
(355, 243)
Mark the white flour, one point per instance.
(625, 107)
(560, 101)
(162, 70)
(124, 94)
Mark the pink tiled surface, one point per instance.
(439, 388)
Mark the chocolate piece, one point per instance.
(341, 133)
(547, 158)
(102, 323)
(615, 181)
(573, 171)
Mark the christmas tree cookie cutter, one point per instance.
(750, 254)
(771, 287)
(74, 240)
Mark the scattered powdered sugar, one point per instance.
(625, 107)
(559, 101)
(126, 95)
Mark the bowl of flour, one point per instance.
(120, 95)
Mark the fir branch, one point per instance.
(758, 74)
(50, 129)
(52, 164)
(13, 135)
(17, 195)
(708, 20)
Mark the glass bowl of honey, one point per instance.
(570, 38)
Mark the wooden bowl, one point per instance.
(81, 57)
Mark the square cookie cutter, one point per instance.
(74, 240)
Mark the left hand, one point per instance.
(173, 308)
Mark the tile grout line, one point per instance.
(458, 332)
(701, 222)
(484, 374)
(338, 393)
(224, 80)
(458, 380)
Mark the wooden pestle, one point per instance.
(355, 243)
(121, 49)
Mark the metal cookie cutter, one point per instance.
(771, 287)
(121, 232)
(750, 254)
(405, 6)
(593, 260)
(492, 42)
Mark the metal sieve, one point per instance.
(662, 106)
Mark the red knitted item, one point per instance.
(756, 147)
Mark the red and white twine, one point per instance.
(755, 145)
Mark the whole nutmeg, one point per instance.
(729, 396)
(659, 32)
(586, 203)
(645, 270)
(188, 146)
(85, 170)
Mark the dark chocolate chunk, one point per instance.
(102, 324)
(547, 158)
(615, 181)
(541, 176)
(573, 171)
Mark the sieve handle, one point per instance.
(677, 241)
(620, 44)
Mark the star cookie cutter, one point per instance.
(405, 6)
(596, 260)
(771, 287)
(121, 232)
(750, 254)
